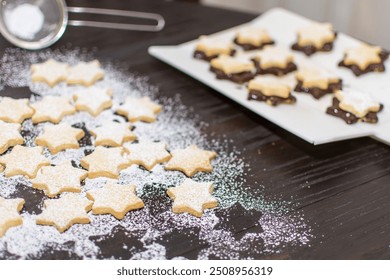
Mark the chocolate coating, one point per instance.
(271, 100)
(316, 92)
(201, 55)
(277, 71)
(251, 47)
(238, 78)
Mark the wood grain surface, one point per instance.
(342, 188)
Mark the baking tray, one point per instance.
(307, 118)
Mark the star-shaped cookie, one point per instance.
(115, 199)
(59, 137)
(316, 34)
(93, 100)
(362, 56)
(52, 109)
(9, 213)
(113, 134)
(139, 109)
(9, 135)
(147, 153)
(85, 73)
(105, 162)
(51, 72)
(54, 180)
(15, 110)
(192, 197)
(23, 161)
(191, 160)
(64, 212)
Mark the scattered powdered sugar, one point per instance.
(153, 232)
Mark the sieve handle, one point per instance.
(160, 22)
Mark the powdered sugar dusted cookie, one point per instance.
(93, 100)
(238, 70)
(9, 135)
(317, 82)
(364, 59)
(15, 110)
(52, 109)
(54, 180)
(23, 161)
(314, 38)
(105, 162)
(354, 106)
(208, 49)
(191, 160)
(270, 90)
(113, 134)
(252, 38)
(115, 199)
(139, 109)
(274, 60)
(85, 73)
(147, 153)
(60, 137)
(50, 72)
(9, 213)
(192, 197)
(65, 211)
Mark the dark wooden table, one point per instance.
(348, 202)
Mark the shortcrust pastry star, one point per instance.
(191, 160)
(60, 137)
(192, 197)
(23, 161)
(15, 110)
(9, 213)
(115, 199)
(113, 134)
(139, 109)
(93, 100)
(147, 153)
(9, 135)
(65, 211)
(51, 72)
(54, 180)
(105, 162)
(362, 56)
(85, 73)
(316, 34)
(52, 108)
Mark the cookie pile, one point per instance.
(260, 65)
(116, 148)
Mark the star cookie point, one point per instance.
(192, 197)
(115, 199)
(65, 211)
(9, 213)
(23, 161)
(191, 160)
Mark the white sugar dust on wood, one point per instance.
(149, 232)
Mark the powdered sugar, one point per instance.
(151, 232)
